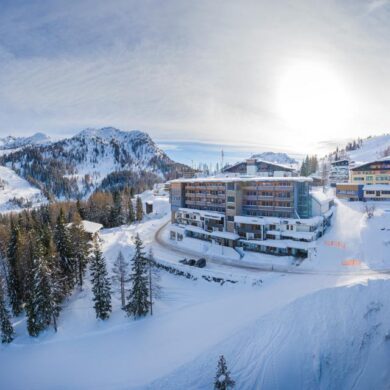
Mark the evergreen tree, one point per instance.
(80, 248)
(40, 298)
(138, 300)
(116, 217)
(64, 248)
(131, 216)
(120, 271)
(100, 283)
(223, 381)
(7, 330)
(14, 254)
(139, 209)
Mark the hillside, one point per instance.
(76, 166)
(17, 193)
(368, 149)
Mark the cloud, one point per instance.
(199, 71)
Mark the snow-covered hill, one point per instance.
(12, 142)
(372, 148)
(76, 166)
(17, 193)
(364, 150)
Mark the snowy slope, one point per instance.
(334, 339)
(371, 148)
(12, 188)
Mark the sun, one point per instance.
(312, 98)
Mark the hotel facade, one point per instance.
(270, 214)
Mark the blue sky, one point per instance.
(287, 75)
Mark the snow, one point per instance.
(259, 326)
(90, 227)
(11, 142)
(17, 187)
(376, 187)
(371, 149)
(231, 179)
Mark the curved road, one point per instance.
(262, 268)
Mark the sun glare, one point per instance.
(312, 98)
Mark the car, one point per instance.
(201, 263)
(191, 262)
(183, 261)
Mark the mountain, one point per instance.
(279, 158)
(93, 158)
(12, 142)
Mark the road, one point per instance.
(169, 250)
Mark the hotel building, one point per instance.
(268, 214)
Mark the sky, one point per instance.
(292, 75)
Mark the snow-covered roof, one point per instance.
(314, 221)
(226, 235)
(196, 229)
(203, 213)
(244, 178)
(360, 165)
(321, 197)
(89, 226)
(377, 187)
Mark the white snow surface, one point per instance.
(17, 187)
(372, 149)
(295, 331)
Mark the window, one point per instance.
(230, 218)
(231, 199)
(230, 186)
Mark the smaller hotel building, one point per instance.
(368, 181)
(270, 214)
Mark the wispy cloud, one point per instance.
(191, 71)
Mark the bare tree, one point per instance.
(121, 271)
(369, 210)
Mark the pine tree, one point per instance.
(14, 253)
(138, 299)
(120, 271)
(80, 248)
(64, 248)
(138, 209)
(131, 216)
(100, 284)
(116, 217)
(7, 330)
(39, 304)
(223, 381)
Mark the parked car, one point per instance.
(201, 263)
(183, 261)
(191, 262)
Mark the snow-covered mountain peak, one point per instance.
(12, 142)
